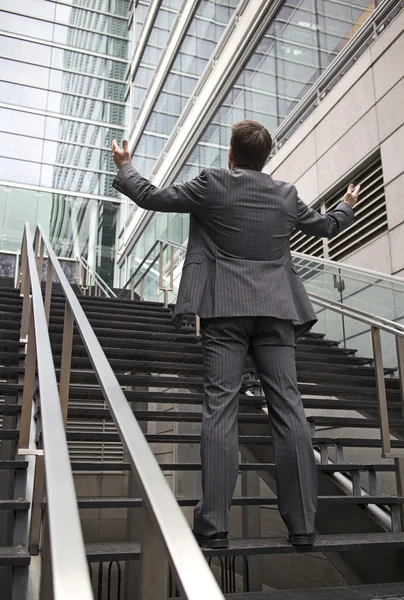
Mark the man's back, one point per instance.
(247, 215)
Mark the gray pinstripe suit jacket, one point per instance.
(238, 261)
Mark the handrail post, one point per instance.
(399, 465)
(381, 392)
(65, 363)
(197, 325)
(25, 292)
(23, 265)
(37, 501)
(28, 392)
(153, 563)
(171, 268)
(132, 288)
(40, 258)
(161, 265)
(48, 289)
(142, 289)
(400, 362)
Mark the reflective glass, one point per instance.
(141, 9)
(297, 47)
(62, 34)
(58, 152)
(75, 226)
(204, 32)
(157, 40)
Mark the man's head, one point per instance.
(250, 146)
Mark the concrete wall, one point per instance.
(363, 112)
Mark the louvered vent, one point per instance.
(370, 212)
(300, 242)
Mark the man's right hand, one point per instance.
(351, 197)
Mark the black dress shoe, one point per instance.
(301, 539)
(218, 541)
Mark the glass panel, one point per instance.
(61, 153)
(203, 34)
(297, 47)
(156, 42)
(75, 226)
(366, 292)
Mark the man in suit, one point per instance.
(238, 276)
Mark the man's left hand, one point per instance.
(121, 157)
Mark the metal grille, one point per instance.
(370, 212)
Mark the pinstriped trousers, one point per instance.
(271, 344)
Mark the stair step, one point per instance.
(195, 438)
(329, 468)
(323, 398)
(133, 334)
(377, 591)
(117, 502)
(14, 504)
(178, 362)
(119, 317)
(14, 464)
(9, 409)
(9, 434)
(106, 552)
(80, 412)
(14, 556)
(129, 326)
(115, 347)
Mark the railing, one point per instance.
(64, 567)
(166, 537)
(88, 279)
(164, 275)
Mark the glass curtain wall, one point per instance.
(62, 87)
(151, 55)
(298, 46)
(205, 30)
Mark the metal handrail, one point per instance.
(99, 283)
(66, 552)
(378, 324)
(359, 315)
(148, 266)
(167, 538)
(352, 268)
(328, 262)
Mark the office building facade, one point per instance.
(173, 76)
(310, 71)
(62, 101)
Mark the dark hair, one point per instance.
(251, 144)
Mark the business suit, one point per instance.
(239, 278)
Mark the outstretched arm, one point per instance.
(183, 198)
(333, 222)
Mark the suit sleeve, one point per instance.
(186, 197)
(323, 225)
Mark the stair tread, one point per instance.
(131, 550)
(125, 502)
(16, 504)
(376, 591)
(194, 438)
(14, 556)
(125, 466)
(76, 412)
(13, 464)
